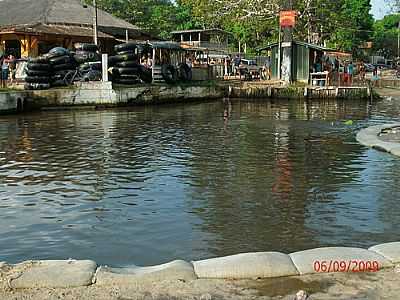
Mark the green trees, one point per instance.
(344, 24)
(385, 36)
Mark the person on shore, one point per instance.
(236, 64)
(12, 67)
(4, 71)
(336, 64)
(375, 76)
(267, 66)
(350, 71)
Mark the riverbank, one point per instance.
(322, 272)
(377, 286)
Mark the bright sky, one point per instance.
(379, 8)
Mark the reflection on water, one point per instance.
(151, 184)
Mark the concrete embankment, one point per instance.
(262, 91)
(73, 273)
(105, 94)
(370, 137)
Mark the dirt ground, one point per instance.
(382, 285)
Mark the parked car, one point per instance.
(250, 68)
(369, 67)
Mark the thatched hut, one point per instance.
(31, 27)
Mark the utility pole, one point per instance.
(287, 44)
(398, 41)
(95, 32)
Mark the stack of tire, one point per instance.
(89, 60)
(39, 74)
(126, 68)
(62, 63)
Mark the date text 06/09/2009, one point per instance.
(355, 266)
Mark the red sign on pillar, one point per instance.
(288, 18)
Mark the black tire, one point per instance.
(60, 60)
(39, 67)
(185, 72)
(86, 47)
(112, 61)
(126, 71)
(169, 74)
(131, 77)
(125, 47)
(37, 73)
(126, 53)
(85, 56)
(61, 73)
(37, 79)
(39, 60)
(127, 57)
(57, 52)
(145, 75)
(128, 64)
(69, 66)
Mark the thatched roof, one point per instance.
(59, 12)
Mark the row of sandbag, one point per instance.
(125, 66)
(58, 67)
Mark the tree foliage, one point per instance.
(344, 24)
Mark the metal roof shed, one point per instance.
(303, 57)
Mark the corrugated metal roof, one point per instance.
(308, 45)
(211, 30)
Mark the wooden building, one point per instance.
(210, 39)
(29, 28)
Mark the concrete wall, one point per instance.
(103, 94)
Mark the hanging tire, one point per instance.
(37, 79)
(69, 66)
(128, 64)
(39, 67)
(125, 47)
(169, 74)
(37, 73)
(145, 74)
(86, 47)
(126, 71)
(185, 72)
(66, 59)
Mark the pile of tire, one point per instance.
(39, 74)
(126, 68)
(62, 63)
(89, 60)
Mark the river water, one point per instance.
(146, 185)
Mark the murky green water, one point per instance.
(150, 184)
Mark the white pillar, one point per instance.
(104, 61)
